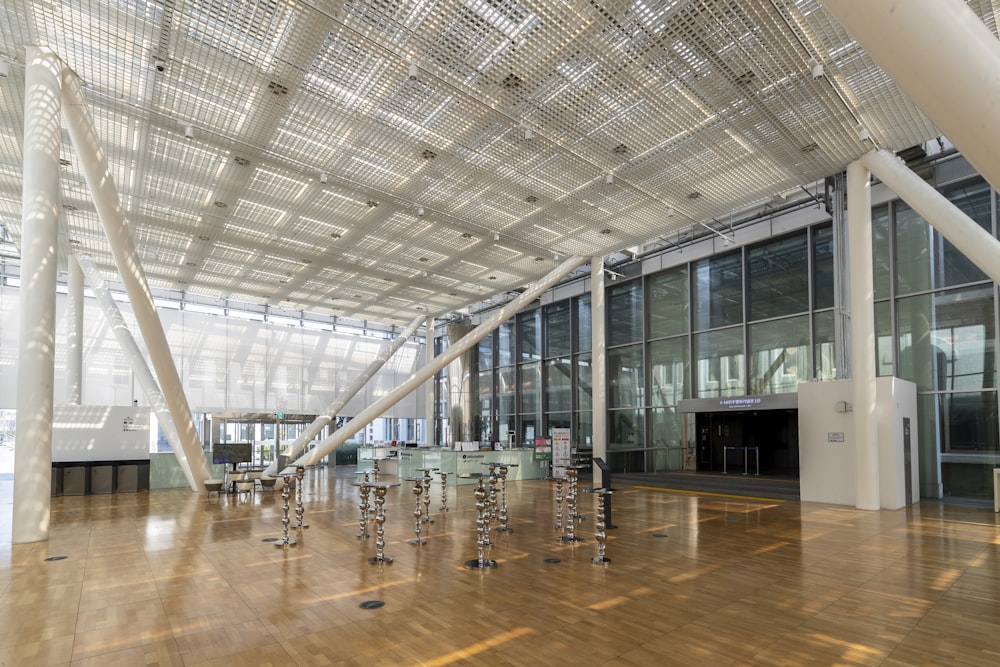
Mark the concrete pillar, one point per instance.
(599, 366)
(859, 213)
(74, 333)
(36, 341)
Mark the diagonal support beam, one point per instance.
(352, 390)
(94, 164)
(377, 408)
(136, 361)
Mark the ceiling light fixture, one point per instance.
(188, 132)
(609, 178)
(818, 72)
(413, 72)
(323, 177)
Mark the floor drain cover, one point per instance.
(552, 560)
(270, 539)
(52, 558)
(660, 535)
(372, 604)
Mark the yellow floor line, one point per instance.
(708, 493)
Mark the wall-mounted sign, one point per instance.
(835, 436)
(739, 403)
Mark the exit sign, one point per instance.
(279, 415)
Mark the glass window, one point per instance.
(530, 382)
(778, 278)
(485, 405)
(583, 324)
(625, 381)
(584, 383)
(883, 339)
(968, 422)
(557, 333)
(823, 273)
(506, 391)
(558, 420)
(717, 292)
(668, 303)
(627, 430)
(558, 385)
(530, 334)
(925, 259)
(505, 343)
(779, 355)
(486, 351)
(665, 427)
(529, 429)
(625, 313)
(881, 252)
(583, 435)
(719, 369)
(668, 370)
(946, 340)
(824, 346)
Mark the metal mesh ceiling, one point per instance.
(385, 158)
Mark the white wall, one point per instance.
(826, 465)
(224, 363)
(99, 433)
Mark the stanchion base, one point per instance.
(504, 529)
(426, 520)
(597, 560)
(298, 525)
(567, 538)
(362, 536)
(418, 541)
(384, 560)
(484, 564)
(282, 545)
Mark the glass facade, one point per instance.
(757, 320)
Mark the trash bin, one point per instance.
(128, 478)
(102, 479)
(76, 481)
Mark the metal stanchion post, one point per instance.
(504, 467)
(482, 528)
(427, 494)
(570, 535)
(300, 473)
(444, 491)
(285, 495)
(559, 503)
(599, 533)
(380, 490)
(418, 513)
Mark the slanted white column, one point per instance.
(37, 335)
(430, 386)
(136, 361)
(981, 247)
(376, 409)
(942, 55)
(598, 364)
(859, 216)
(74, 333)
(311, 431)
(94, 165)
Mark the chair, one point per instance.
(244, 487)
(213, 486)
(255, 475)
(267, 483)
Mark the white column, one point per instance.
(942, 55)
(36, 341)
(74, 333)
(314, 429)
(859, 216)
(598, 364)
(376, 409)
(94, 165)
(973, 241)
(430, 386)
(136, 361)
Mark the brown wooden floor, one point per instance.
(168, 578)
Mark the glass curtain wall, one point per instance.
(760, 320)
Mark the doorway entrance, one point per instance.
(747, 442)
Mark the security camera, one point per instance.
(160, 65)
(413, 72)
(818, 71)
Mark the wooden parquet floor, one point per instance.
(169, 578)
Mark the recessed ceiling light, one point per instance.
(694, 195)
(221, 204)
(192, 263)
(492, 277)
(202, 238)
(466, 235)
(371, 203)
(605, 231)
(539, 259)
(423, 259)
(306, 261)
(334, 235)
(531, 199)
(620, 149)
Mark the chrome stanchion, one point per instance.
(300, 473)
(482, 528)
(559, 503)
(363, 506)
(285, 541)
(599, 533)
(380, 490)
(444, 491)
(427, 494)
(503, 468)
(570, 536)
(418, 513)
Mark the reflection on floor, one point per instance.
(170, 578)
